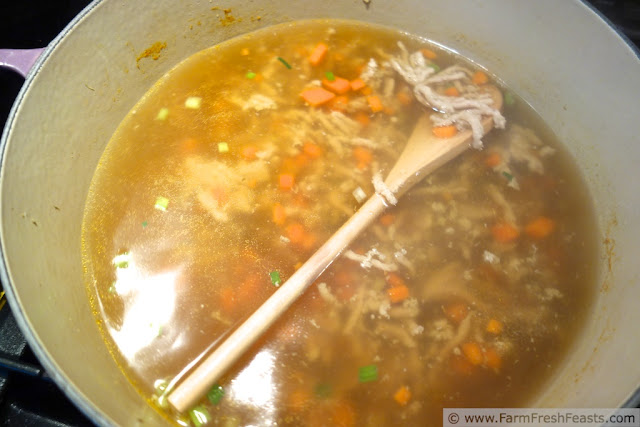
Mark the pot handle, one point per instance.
(19, 60)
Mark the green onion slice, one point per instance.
(275, 278)
(330, 76)
(199, 416)
(368, 373)
(223, 147)
(286, 64)
(509, 98)
(122, 260)
(250, 75)
(216, 394)
(162, 203)
(507, 175)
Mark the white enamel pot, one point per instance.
(563, 58)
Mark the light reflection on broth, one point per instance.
(468, 293)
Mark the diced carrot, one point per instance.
(387, 219)
(318, 54)
(445, 131)
(428, 53)
(480, 78)
(473, 353)
(338, 85)
(504, 232)
(299, 399)
(366, 90)
(375, 103)
(312, 150)
(228, 300)
(492, 359)
(456, 312)
(362, 118)
(493, 160)
(402, 395)
(394, 280)
(540, 227)
(301, 160)
(398, 293)
(279, 214)
(339, 103)
(494, 326)
(285, 181)
(404, 98)
(244, 51)
(247, 290)
(357, 84)
(460, 365)
(452, 91)
(295, 233)
(363, 157)
(342, 414)
(189, 144)
(249, 152)
(317, 96)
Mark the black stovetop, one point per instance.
(28, 397)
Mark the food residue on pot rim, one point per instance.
(152, 52)
(228, 18)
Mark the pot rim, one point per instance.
(68, 387)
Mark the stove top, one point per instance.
(27, 395)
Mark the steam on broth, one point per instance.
(223, 180)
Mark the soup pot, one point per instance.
(561, 57)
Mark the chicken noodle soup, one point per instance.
(242, 160)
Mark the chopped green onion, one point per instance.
(359, 194)
(193, 102)
(322, 390)
(368, 373)
(200, 416)
(162, 203)
(122, 260)
(286, 64)
(330, 76)
(250, 75)
(216, 394)
(162, 114)
(223, 147)
(435, 67)
(507, 175)
(112, 288)
(275, 278)
(509, 99)
(144, 224)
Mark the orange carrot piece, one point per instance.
(342, 414)
(492, 359)
(312, 150)
(339, 103)
(404, 98)
(279, 214)
(479, 78)
(460, 365)
(445, 131)
(394, 280)
(452, 91)
(494, 326)
(540, 227)
(504, 232)
(362, 118)
(493, 160)
(428, 53)
(317, 96)
(473, 353)
(375, 103)
(398, 293)
(189, 144)
(366, 90)
(456, 312)
(338, 85)
(249, 152)
(318, 54)
(402, 395)
(295, 232)
(228, 300)
(363, 157)
(357, 84)
(286, 181)
(299, 399)
(387, 219)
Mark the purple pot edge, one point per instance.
(19, 60)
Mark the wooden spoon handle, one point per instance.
(209, 371)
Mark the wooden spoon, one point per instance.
(423, 154)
